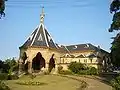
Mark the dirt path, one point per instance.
(94, 84)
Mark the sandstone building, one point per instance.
(40, 52)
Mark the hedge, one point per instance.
(116, 83)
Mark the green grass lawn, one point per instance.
(52, 82)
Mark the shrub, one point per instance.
(46, 72)
(82, 69)
(3, 86)
(32, 83)
(3, 76)
(60, 68)
(12, 77)
(65, 72)
(93, 71)
(76, 67)
(84, 72)
(32, 76)
(90, 71)
(116, 83)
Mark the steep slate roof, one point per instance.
(84, 47)
(81, 47)
(40, 37)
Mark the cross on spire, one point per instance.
(42, 15)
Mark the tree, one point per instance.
(76, 67)
(115, 8)
(4, 67)
(115, 83)
(2, 8)
(115, 51)
(13, 65)
(115, 26)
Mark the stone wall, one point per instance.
(46, 54)
(66, 61)
(59, 59)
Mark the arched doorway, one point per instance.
(51, 63)
(38, 62)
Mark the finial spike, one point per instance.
(43, 9)
(42, 16)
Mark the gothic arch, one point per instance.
(25, 62)
(38, 62)
(24, 57)
(51, 63)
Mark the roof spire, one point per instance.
(42, 15)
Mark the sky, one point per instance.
(68, 21)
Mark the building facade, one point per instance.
(40, 52)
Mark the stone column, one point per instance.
(20, 66)
(29, 67)
(46, 66)
(56, 69)
(56, 66)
